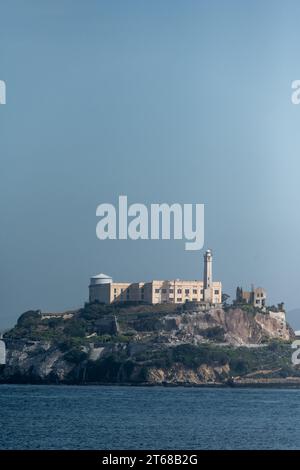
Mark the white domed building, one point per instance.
(100, 288)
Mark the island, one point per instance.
(162, 344)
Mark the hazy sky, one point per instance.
(163, 101)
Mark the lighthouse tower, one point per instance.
(207, 278)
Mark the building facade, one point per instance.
(256, 297)
(103, 289)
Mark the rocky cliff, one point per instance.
(150, 345)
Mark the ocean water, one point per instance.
(95, 417)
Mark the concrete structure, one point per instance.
(103, 289)
(51, 316)
(278, 315)
(256, 297)
(207, 279)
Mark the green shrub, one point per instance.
(239, 366)
(75, 356)
(29, 318)
(75, 329)
(215, 333)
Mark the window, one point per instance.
(217, 291)
(115, 291)
(142, 296)
(194, 291)
(164, 291)
(179, 291)
(171, 291)
(157, 291)
(115, 296)
(257, 301)
(194, 299)
(187, 291)
(202, 291)
(179, 299)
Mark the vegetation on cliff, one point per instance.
(147, 344)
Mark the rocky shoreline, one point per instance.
(151, 346)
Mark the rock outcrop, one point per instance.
(150, 345)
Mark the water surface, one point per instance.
(95, 417)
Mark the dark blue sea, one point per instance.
(94, 417)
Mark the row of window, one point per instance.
(127, 296)
(186, 291)
(127, 290)
(170, 291)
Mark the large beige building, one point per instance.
(103, 289)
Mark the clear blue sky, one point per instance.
(164, 101)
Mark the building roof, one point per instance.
(101, 276)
